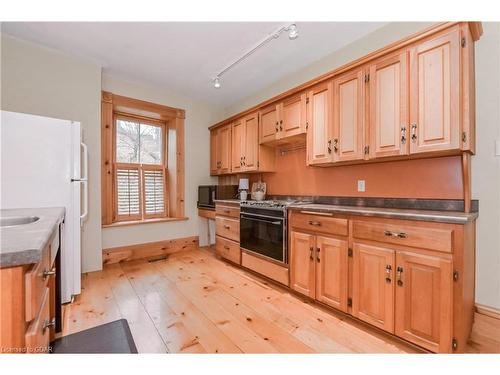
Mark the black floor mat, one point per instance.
(114, 337)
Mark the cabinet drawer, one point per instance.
(38, 335)
(36, 283)
(228, 249)
(324, 223)
(431, 238)
(227, 211)
(228, 228)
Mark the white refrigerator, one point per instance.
(41, 166)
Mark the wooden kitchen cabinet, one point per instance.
(292, 117)
(424, 300)
(435, 94)
(319, 119)
(388, 106)
(302, 263)
(373, 285)
(237, 146)
(227, 231)
(251, 142)
(220, 150)
(284, 122)
(29, 308)
(349, 116)
(331, 271)
(269, 124)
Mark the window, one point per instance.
(142, 165)
(140, 169)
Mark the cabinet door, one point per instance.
(292, 116)
(349, 116)
(214, 163)
(435, 94)
(302, 263)
(268, 124)
(237, 144)
(224, 149)
(251, 142)
(373, 285)
(319, 117)
(424, 288)
(389, 107)
(331, 272)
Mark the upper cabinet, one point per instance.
(412, 99)
(235, 148)
(388, 106)
(319, 120)
(435, 94)
(349, 116)
(284, 122)
(220, 150)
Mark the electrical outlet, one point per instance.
(361, 185)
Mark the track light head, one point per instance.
(217, 82)
(293, 33)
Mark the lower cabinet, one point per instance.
(412, 279)
(405, 293)
(318, 268)
(373, 285)
(424, 303)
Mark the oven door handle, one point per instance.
(278, 222)
(248, 215)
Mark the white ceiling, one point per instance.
(184, 56)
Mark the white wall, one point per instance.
(197, 163)
(485, 166)
(44, 82)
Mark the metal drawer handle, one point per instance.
(227, 227)
(226, 247)
(48, 324)
(388, 271)
(398, 235)
(311, 249)
(227, 211)
(47, 273)
(317, 254)
(398, 275)
(315, 223)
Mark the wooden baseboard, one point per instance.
(488, 311)
(148, 250)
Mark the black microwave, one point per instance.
(208, 193)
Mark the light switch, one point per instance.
(361, 185)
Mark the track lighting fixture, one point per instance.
(293, 34)
(216, 82)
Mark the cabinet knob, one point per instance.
(335, 145)
(399, 272)
(315, 223)
(403, 134)
(317, 254)
(329, 146)
(47, 273)
(388, 271)
(311, 249)
(413, 133)
(48, 323)
(227, 227)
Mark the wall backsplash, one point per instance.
(439, 178)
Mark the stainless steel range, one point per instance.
(263, 226)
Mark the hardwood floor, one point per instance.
(195, 303)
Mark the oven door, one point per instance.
(264, 235)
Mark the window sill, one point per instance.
(146, 221)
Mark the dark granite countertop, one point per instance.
(453, 217)
(23, 244)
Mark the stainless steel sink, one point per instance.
(11, 221)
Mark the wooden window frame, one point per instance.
(114, 107)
